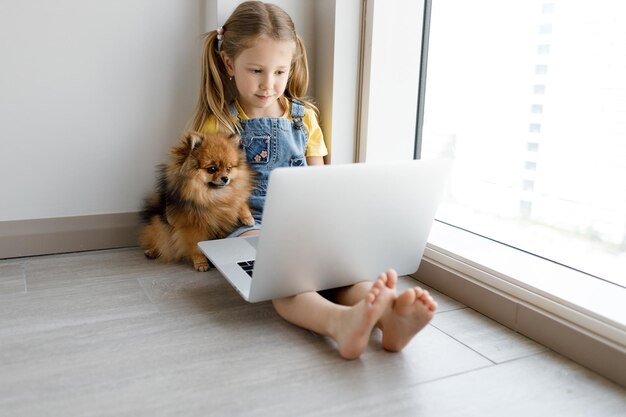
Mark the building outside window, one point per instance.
(529, 98)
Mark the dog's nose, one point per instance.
(224, 180)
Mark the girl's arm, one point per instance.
(315, 160)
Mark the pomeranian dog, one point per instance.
(202, 194)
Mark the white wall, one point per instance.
(94, 92)
(337, 74)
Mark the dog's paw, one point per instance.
(151, 254)
(247, 220)
(202, 267)
(200, 263)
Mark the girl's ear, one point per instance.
(228, 63)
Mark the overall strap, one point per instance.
(297, 108)
(234, 111)
(297, 112)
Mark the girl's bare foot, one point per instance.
(408, 314)
(355, 323)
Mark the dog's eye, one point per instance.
(211, 170)
(228, 169)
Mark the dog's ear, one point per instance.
(234, 138)
(193, 140)
(189, 142)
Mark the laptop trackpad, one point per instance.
(253, 240)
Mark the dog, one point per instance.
(202, 194)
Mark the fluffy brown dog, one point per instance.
(202, 194)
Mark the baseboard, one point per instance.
(562, 336)
(67, 234)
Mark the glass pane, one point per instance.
(529, 98)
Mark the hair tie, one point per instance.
(220, 37)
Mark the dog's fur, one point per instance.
(202, 194)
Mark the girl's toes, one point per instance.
(392, 278)
(406, 298)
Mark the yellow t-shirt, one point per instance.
(315, 146)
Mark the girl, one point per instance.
(254, 80)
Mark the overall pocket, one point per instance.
(257, 147)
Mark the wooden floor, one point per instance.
(112, 333)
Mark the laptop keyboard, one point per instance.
(247, 266)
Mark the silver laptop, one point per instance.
(334, 225)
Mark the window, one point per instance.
(529, 98)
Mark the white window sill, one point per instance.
(589, 303)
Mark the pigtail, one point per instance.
(216, 90)
(298, 84)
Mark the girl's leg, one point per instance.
(404, 317)
(349, 326)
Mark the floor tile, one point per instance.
(12, 278)
(189, 291)
(111, 333)
(83, 269)
(485, 336)
(189, 364)
(541, 385)
(61, 307)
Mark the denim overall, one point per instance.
(271, 143)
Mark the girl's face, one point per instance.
(261, 73)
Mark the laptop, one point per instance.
(334, 225)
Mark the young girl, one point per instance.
(254, 80)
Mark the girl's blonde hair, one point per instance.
(246, 24)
